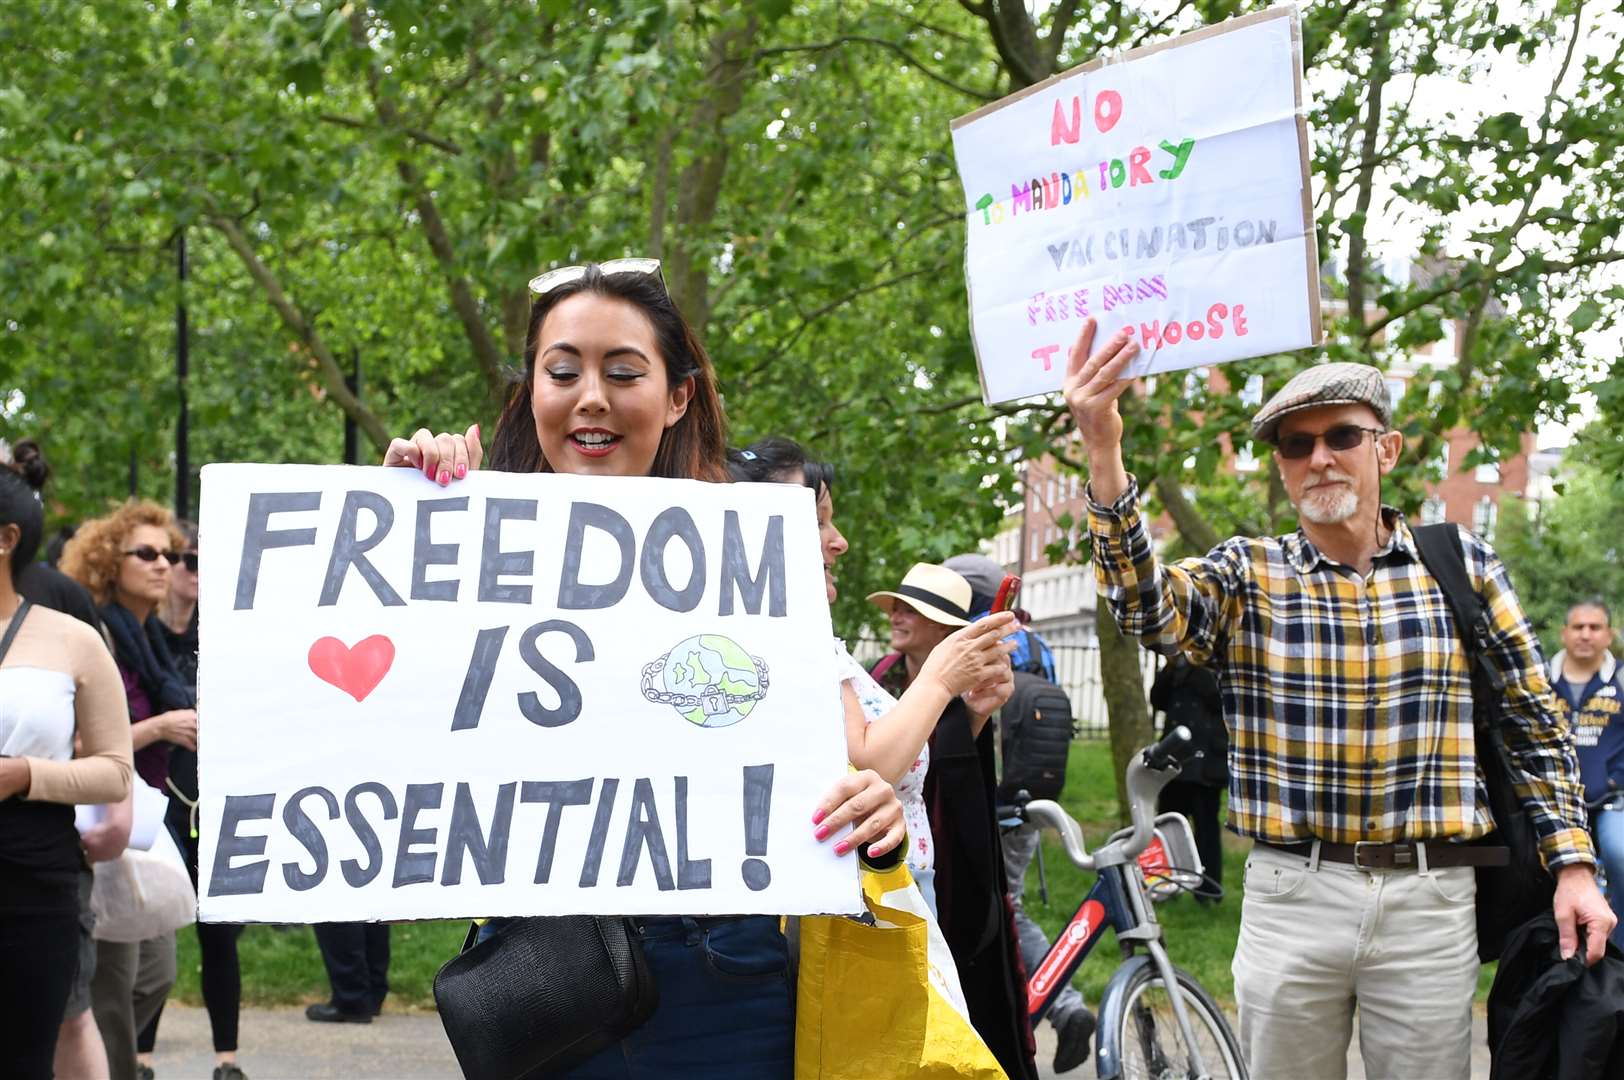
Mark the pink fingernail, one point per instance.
(445, 477)
(462, 471)
(821, 832)
(820, 815)
(842, 847)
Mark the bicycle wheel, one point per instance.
(1150, 1043)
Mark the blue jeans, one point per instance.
(1610, 846)
(725, 1009)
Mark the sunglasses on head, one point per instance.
(148, 553)
(1341, 437)
(542, 284)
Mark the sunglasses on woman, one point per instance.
(1341, 437)
(148, 553)
(542, 284)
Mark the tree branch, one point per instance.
(1380, 72)
(414, 134)
(486, 352)
(864, 39)
(332, 375)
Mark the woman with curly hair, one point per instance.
(125, 559)
(57, 684)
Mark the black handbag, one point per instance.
(542, 995)
(1509, 895)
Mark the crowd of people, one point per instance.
(1327, 681)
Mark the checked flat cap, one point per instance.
(1325, 384)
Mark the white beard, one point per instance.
(1331, 506)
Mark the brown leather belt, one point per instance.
(1368, 856)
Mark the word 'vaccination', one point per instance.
(1061, 188)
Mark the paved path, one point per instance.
(280, 1044)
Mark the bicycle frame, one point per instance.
(1117, 900)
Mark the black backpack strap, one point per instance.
(1445, 559)
(16, 625)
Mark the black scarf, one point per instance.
(140, 648)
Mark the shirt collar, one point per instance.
(1304, 557)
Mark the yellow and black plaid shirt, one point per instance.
(1349, 700)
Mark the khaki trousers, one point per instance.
(132, 980)
(1319, 941)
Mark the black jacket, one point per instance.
(1189, 695)
(1554, 1018)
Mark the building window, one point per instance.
(1483, 517)
(1488, 472)
(1443, 457)
(1395, 391)
(1252, 392)
(1432, 511)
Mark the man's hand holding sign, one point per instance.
(1163, 193)
(544, 694)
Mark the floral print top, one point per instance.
(876, 702)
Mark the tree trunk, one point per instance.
(332, 375)
(1125, 704)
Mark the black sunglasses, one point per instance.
(148, 553)
(190, 561)
(1341, 437)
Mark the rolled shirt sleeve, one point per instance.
(1545, 763)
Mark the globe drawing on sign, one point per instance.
(708, 679)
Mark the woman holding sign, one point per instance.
(616, 384)
(972, 662)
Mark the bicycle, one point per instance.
(1145, 1031)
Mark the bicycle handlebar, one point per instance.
(1176, 748)
(1149, 771)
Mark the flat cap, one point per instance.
(1325, 384)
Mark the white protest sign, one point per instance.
(519, 695)
(1164, 190)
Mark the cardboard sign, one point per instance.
(519, 695)
(1164, 190)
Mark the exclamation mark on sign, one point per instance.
(758, 804)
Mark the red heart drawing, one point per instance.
(357, 671)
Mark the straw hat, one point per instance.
(936, 592)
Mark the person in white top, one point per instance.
(972, 662)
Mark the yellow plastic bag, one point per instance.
(882, 1001)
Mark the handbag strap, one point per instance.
(16, 624)
(1445, 560)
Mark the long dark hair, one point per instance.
(693, 448)
(20, 483)
(776, 458)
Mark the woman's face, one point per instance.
(830, 541)
(600, 396)
(183, 581)
(141, 583)
(912, 633)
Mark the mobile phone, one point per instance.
(1008, 590)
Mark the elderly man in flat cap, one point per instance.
(1352, 758)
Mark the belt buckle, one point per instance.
(1359, 848)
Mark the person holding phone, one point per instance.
(883, 732)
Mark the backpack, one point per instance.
(1507, 896)
(1033, 654)
(1035, 732)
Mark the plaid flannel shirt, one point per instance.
(1349, 701)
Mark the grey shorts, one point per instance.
(79, 996)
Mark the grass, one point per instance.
(283, 966)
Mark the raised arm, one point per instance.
(972, 656)
(1185, 605)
